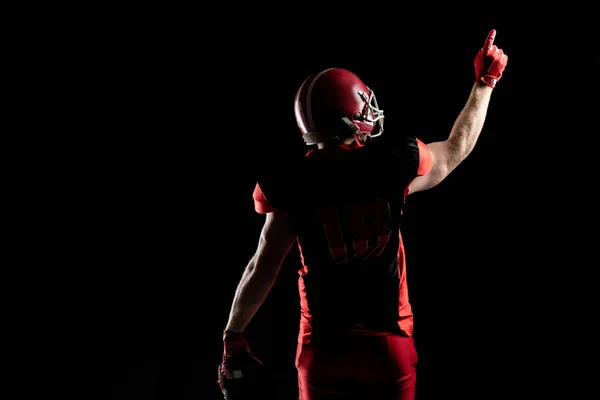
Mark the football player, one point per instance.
(342, 204)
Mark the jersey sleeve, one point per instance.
(425, 160)
(261, 204)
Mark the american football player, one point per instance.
(342, 205)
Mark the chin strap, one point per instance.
(311, 138)
(360, 137)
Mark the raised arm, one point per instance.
(446, 155)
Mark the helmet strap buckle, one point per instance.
(360, 137)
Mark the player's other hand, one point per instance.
(240, 371)
(490, 62)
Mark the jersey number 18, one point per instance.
(367, 223)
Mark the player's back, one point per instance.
(345, 205)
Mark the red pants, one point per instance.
(373, 367)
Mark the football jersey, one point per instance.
(345, 204)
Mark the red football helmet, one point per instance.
(335, 103)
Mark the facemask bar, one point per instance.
(371, 106)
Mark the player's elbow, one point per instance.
(271, 253)
(263, 266)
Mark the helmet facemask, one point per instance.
(370, 114)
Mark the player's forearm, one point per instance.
(468, 124)
(250, 294)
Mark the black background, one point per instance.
(190, 105)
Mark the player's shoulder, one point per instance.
(396, 147)
(279, 169)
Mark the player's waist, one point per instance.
(348, 328)
(362, 330)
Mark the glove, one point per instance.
(490, 62)
(240, 371)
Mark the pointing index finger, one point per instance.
(489, 41)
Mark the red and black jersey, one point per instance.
(345, 204)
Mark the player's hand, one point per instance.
(240, 370)
(490, 62)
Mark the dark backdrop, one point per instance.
(190, 113)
